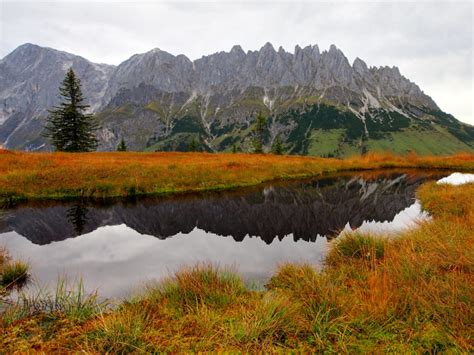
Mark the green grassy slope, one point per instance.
(306, 127)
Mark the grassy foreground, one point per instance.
(412, 293)
(63, 175)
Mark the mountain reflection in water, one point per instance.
(304, 209)
(116, 245)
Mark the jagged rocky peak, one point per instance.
(267, 48)
(334, 70)
(360, 67)
(335, 55)
(334, 49)
(311, 52)
(29, 81)
(265, 67)
(238, 51)
(217, 94)
(159, 55)
(393, 84)
(29, 57)
(28, 49)
(155, 50)
(156, 67)
(30, 77)
(150, 60)
(23, 52)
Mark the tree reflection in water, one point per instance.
(77, 216)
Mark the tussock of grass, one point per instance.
(120, 332)
(273, 320)
(357, 246)
(100, 175)
(201, 284)
(403, 294)
(65, 302)
(13, 273)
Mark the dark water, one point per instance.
(117, 246)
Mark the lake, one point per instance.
(116, 246)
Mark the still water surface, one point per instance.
(117, 246)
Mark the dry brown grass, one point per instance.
(63, 175)
(411, 293)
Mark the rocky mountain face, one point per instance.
(304, 210)
(29, 82)
(316, 102)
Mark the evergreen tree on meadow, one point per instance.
(277, 147)
(363, 145)
(259, 133)
(122, 147)
(193, 146)
(68, 127)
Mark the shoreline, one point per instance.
(63, 176)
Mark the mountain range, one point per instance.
(317, 102)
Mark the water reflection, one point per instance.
(77, 216)
(115, 246)
(303, 210)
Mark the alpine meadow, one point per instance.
(257, 200)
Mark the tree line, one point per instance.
(71, 129)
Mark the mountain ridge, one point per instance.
(158, 101)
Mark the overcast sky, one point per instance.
(430, 41)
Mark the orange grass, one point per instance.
(413, 293)
(63, 175)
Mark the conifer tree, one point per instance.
(193, 146)
(69, 128)
(259, 132)
(277, 147)
(363, 144)
(122, 147)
